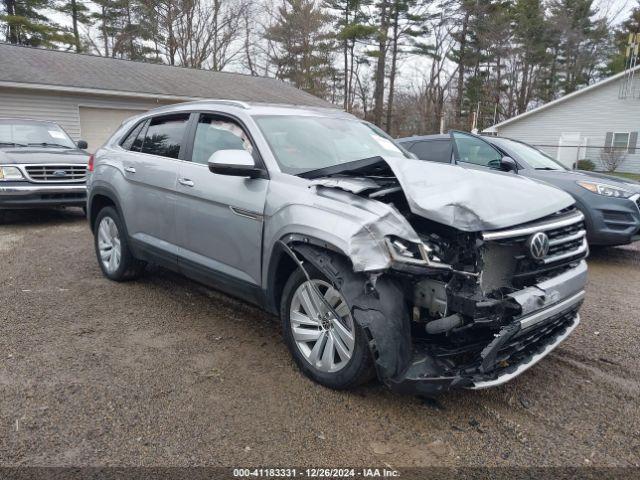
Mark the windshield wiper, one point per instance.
(13, 143)
(47, 144)
(547, 168)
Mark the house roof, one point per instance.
(569, 96)
(28, 67)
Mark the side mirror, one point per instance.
(82, 144)
(237, 163)
(508, 164)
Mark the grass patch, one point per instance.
(630, 176)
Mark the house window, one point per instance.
(620, 141)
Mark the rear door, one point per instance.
(474, 152)
(151, 171)
(219, 218)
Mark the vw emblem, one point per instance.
(538, 244)
(59, 173)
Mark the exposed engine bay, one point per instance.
(466, 293)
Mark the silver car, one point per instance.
(429, 276)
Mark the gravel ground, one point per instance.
(162, 371)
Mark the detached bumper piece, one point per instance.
(518, 346)
(25, 196)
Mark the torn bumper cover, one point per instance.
(549, 315)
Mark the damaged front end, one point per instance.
(453, 308)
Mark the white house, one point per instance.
(90, 96)
(602, 117)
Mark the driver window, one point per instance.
(475, 150)
(216, 133)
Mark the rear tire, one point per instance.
(330, 357)
(112, 249)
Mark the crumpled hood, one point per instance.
(42, 155)
(473, 200)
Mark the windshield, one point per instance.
(23, 133)
(304, 143)
(533, 157)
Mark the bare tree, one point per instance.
(612, 158)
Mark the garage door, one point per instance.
(98, 124)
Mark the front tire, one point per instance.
(332, 352)
(112, 250)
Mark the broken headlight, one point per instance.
(414, 253)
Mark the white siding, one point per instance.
(592, 114)
(62, 108)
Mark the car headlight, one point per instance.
(405, 251)
(10, 173)
(606, 190)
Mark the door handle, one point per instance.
(130, 169)
(186, 182)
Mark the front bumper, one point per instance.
(549, 315)
(26, 195)
(613, 221)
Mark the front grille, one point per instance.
(567, 244)
(56, 173)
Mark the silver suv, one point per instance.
(429, 276)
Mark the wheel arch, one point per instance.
(281, 265)
(99, 198)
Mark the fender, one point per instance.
(104, 191)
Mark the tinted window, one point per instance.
(474, 150)
(133, 141)
(213, 134)
(434, 150)
(164, 136)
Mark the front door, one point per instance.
(474, 152)
(218, 217)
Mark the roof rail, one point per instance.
(236, 103)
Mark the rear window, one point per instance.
(164, 135)
(434, 150)
(133, 141)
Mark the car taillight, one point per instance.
(90, 164)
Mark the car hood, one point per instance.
(42, 155)
(559, 177)
(467, 199)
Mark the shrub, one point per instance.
(586, 165)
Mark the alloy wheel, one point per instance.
(109, 244)
(326, 342)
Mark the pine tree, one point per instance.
(631, 26)
(79, 13)
(28, 24)
(303, 46)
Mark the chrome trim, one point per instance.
(532, 361)
(568, 238)
(245, 213)
(58, 166)
(29, 190)
(540, 315)
(572, 253)
(538, 227)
